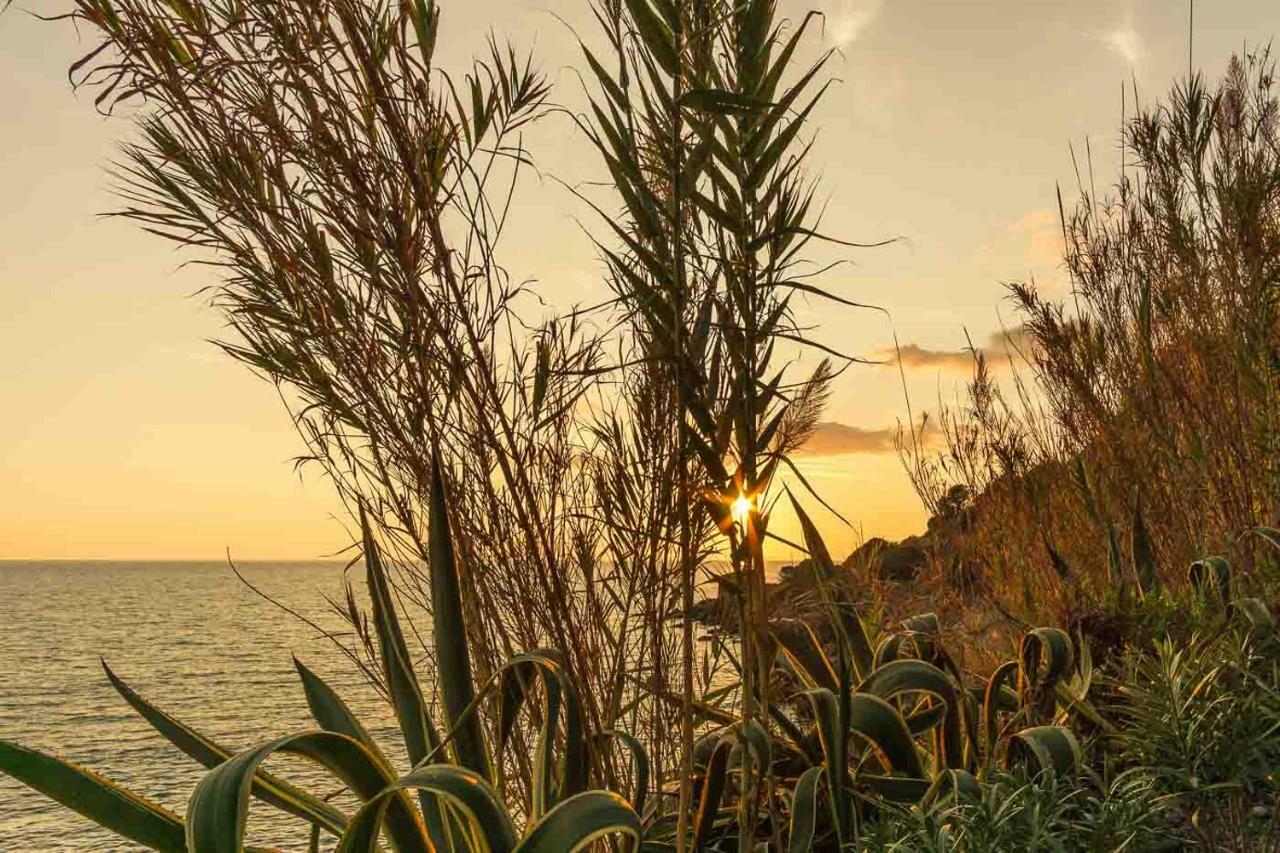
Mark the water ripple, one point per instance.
(190, 638)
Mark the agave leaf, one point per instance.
(470, 798)
(917, 676)
(1211, 575)
(580, 820)
(1268, 534)
(333, 715)
(996, 699)
(219, 808)
(897, 789)
(209, 753)
(1051, 749)
(803, 651)
(804, 810)
(558, 692)
(1046, 656)
(714, 781)
(453, 655)
(955, 785)
(639, 765)
(852, 630)
(879, 723)
(1084, 708)
(420, 737)
(104, 802)
(1256, 611)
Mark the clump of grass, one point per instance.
(1141, 429)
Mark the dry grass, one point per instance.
(1141, 430)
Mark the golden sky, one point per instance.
(125, 434)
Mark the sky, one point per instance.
(125, 434)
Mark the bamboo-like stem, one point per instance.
(687, 566)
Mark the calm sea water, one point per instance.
(189, 637)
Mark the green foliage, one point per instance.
(1043, 814)
(1204, 719)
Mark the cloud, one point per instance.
(999, 343)
(851, 19)
(1034, 240)
(1125, 41)
(914, 355)
(832, 439)
(835, 439)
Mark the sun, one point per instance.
(740, 509)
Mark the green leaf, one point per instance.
(897, 789)
(333, 715)
(1051, 749)
(1211, 575)
(996, 699)
(831, 716)
(714, 780)
(580, 820)
(721, 102)
(954, 785)
(804, 810)
(880, 724)
(219, 808)
(209, 753)
(453, 655)
(1256, 611)
(917, 676)
(100, 800)
(420, 737)
(655, 35)
(559, 695)
(469, 795)
(639, 765)
(1045, 657)
(803, 651)
(853, 632)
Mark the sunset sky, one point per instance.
(126, 434)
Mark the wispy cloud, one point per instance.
(911, 356)
(1034, 240)
(1125, 41)
(851, 19)
(836, 439)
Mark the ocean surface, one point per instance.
(191, 638)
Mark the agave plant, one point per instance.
(880, 725)
(450, 799)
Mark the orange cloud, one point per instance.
(1001, 342)
(1033, 241)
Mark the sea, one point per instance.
(190, 637)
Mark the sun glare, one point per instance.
(741, 509)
